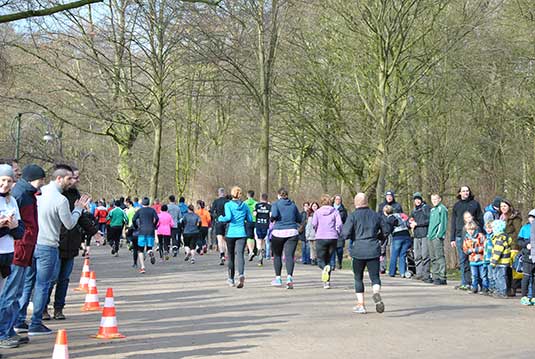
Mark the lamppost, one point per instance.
(47, 137)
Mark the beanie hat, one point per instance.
(496, 202)
(145, 201)
(498, 226)
(531, 213)
(6, 170)
(33, 172)
(417, 195)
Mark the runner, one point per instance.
(165, 223)
(101, 212)
(262, 212)
(287, 219)
(218, 209)
(191, 223)
(131, 239)
(118, 219)
(249, 227)
(206, 220)
(327, 223)
(145, 222)
(176, 231)
(367, 229)
(237, 213)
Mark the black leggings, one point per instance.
(114, 237)
(358, 271)
(324, 249)
(134, 248)
(176, 233)
(235, 246)
(288, 245)
(204, 235)
(163, 245)
(190, 240)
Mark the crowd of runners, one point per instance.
(43, 227)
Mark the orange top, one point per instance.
(205, 217)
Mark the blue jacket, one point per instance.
(237, 213)
(285, 214)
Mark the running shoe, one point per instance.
(327, 285)
(204, 249)
(241, 281)
(379, 305)
(325, 277)
(116, 254)
(186, 258)
(166, 256)
(152, 258)
(407, 274)
(192, 261)
(525, 301)
(261, 262)
(46, 315)
(222, 262)
(175, 251)
(289, 282)
(251, 256)
(359, 309)
(142, 271)
(277, 282)
(230, 282)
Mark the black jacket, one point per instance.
(395, 206)
(368, 230)
(457, 221)
(343, 213)
(70, 240)
(218, 208)
(421, 215)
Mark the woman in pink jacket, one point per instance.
(165, 224)
(328, 224)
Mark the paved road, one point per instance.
(178, 310)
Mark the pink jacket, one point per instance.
(165, 223)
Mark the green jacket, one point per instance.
(438, 222)
(117, 217)
(251, 203)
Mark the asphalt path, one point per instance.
(183, 310)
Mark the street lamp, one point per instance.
(47, 137)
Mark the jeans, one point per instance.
(421, 257)
(9, 304)
(338, 254)
(500, 275)
(464, 265)
(491, 276)
(400, 246)
(47, 266)
(478, 273)
(29, 284)
(62, 283)
(528, 273)
(305, 252)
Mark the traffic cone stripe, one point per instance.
(108, 322)
(84, 278)
(108, 302)
(91, 298)
(108, 312)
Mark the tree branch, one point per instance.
(45, 12)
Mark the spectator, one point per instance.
(436, 232)
(419, 223)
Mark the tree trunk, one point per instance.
(124, 170)
(156, 151)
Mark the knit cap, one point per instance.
(145, 201)
(498, 226)
(33, 172)
(417, 195)
(6, 170)
(496, 202)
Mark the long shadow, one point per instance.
(437, 308)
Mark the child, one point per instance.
(474, 248)
(526, 243)
(488, 271)
(501, 257)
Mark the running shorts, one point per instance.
(261, 232)
(144, 240)
(220, 228)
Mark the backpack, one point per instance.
(402, 222)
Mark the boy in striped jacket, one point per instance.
(501, 257)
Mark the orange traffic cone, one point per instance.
(108, 324)
(61, 349)
(84, 278)
(91, 298)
